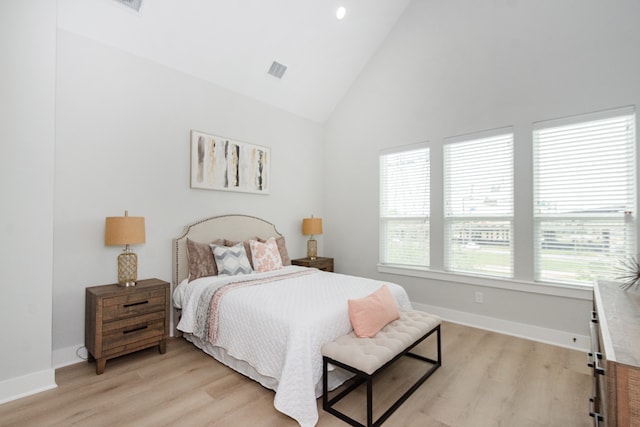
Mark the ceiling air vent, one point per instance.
(133, 4)
(277, 69)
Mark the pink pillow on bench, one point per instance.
(370, 314)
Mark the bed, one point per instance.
(268, 325)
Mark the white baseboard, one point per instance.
(73, 354)
(26, 385)
(69, 356)
(520, 330)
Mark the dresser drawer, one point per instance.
(125, 306)
(123, 332)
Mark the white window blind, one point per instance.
(584, 197)
(404, 206)
(478, 192)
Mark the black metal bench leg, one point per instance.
(439, 347)
(325, 384)
(369, 401)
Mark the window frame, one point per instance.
(452, 249)
(588, 218)
(385, 219)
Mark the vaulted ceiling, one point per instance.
(232, 43)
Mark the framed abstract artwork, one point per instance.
(219, 163)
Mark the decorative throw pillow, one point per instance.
(201, 262)
(231, 260)
(282, 248)
(266, 256)
(247, 248)
(370, 314)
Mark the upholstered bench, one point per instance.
(367, 357)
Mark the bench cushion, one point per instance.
(369, 354)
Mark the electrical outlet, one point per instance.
(479, 297)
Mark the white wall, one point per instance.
(454, 67)
(27, 131)
(123, 143)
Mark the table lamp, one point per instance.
(310, 227)
(125, 230)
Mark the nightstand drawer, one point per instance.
(132, 305)
(321, 263)
(123, 332)
(325, 264)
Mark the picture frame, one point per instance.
(220, 163)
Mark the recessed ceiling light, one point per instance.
(341, 12)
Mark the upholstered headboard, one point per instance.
(230, 227)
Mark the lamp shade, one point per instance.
(124, 230)
(312, 226)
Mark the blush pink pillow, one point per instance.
(266, 256)
(370, 314)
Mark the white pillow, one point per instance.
(231, 260)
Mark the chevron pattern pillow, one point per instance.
(231, 260)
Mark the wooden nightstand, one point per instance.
(121, 320)
(321, 263)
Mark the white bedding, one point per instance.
(279, 327)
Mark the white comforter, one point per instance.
(279, 327)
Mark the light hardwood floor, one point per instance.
(487, 379)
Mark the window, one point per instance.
(584, 197)
(478, 203)
(404, 206)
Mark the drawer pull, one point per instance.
(592, 411)
(139, 328)
(133, 304)
(593, 361)
(597, 366)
